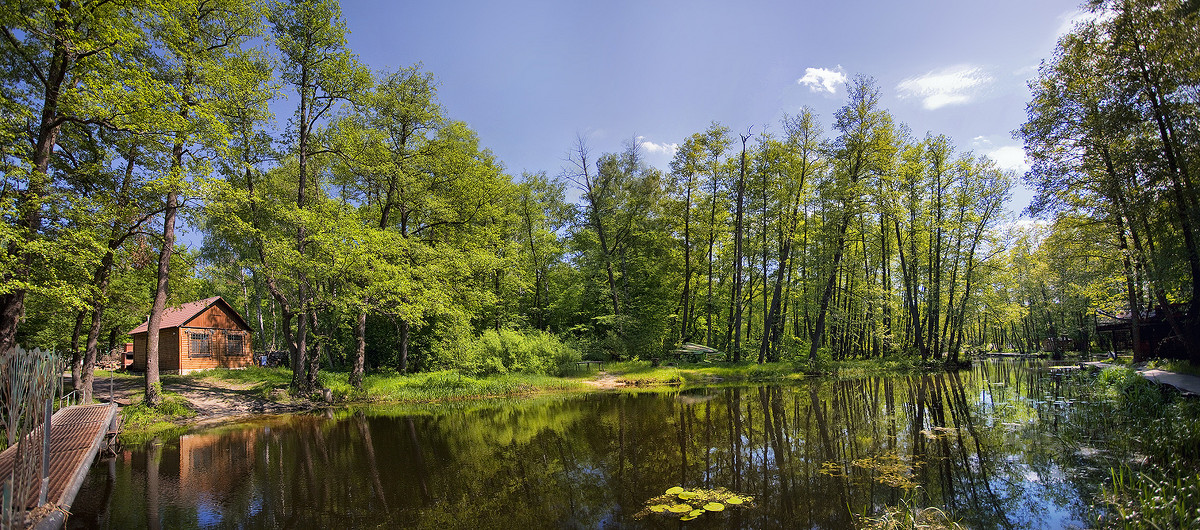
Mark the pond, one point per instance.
(1004, 444)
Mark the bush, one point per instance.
(527, 352)
(1130, 389)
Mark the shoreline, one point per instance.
(220, 398)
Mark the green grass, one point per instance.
(119, 374)
(641, 373)
(446, 385)
(141, 422)
(1179, 367)
(395, 388)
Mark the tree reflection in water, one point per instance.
(990, 446)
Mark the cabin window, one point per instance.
(233, 344)
(201, 345)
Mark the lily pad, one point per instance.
(688, 517)
(697, 512)
(734, 500)
(688, 495)
(714, 507)
(675, 490)
(680, 508)
(659, 508)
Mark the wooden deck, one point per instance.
(76, 435)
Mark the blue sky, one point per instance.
(529, 76)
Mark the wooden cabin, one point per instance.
(197, 335)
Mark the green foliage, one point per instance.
(141, 422)
(688, 504)
(1153, 500)
(1161, 490)
(1128, 388)
(527, 352)
(447, 385)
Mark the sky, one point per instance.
(529, 76)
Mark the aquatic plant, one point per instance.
(907, 515)
(891, 469)
(688, 504)
(1153, 500)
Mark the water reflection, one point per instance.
(1000, 446)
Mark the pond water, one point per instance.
(1006, 444)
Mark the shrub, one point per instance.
(527, 352)
(1130, 389)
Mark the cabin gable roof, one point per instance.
(181, 315)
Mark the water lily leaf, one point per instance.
(697, 512)
(714, 506)
(659, 508)
(688, 495)
(680, 508)
(734, 500)
(675, 491)
(688, 517)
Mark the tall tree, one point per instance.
(69, 62)
(865, 135)
(204, 57)
(317, 65)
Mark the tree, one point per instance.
(1105, 133)
(71, 62)
(311, 37)
(801, 162)
(865, 137)
(205, 62)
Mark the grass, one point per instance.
(270, 383)
(1179, 367)
(1163, 491)
(394, 388)
(905, 517)
(642, 373)
(1154, 499)
(119, 374)
(141, 422)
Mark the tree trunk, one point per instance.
(360, 350)
(402, 366)
(153, 383)
(736, 302)
(827, 294)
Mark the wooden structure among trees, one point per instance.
(1154, 333)
(197, 335)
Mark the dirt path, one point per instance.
(604, 381)
(214, 401)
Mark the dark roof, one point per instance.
(174, 317)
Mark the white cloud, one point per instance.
(823, 79)
(655, 148)
(1009, 157)
(954, 85)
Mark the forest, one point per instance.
(368, 230)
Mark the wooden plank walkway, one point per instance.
(76, 435)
